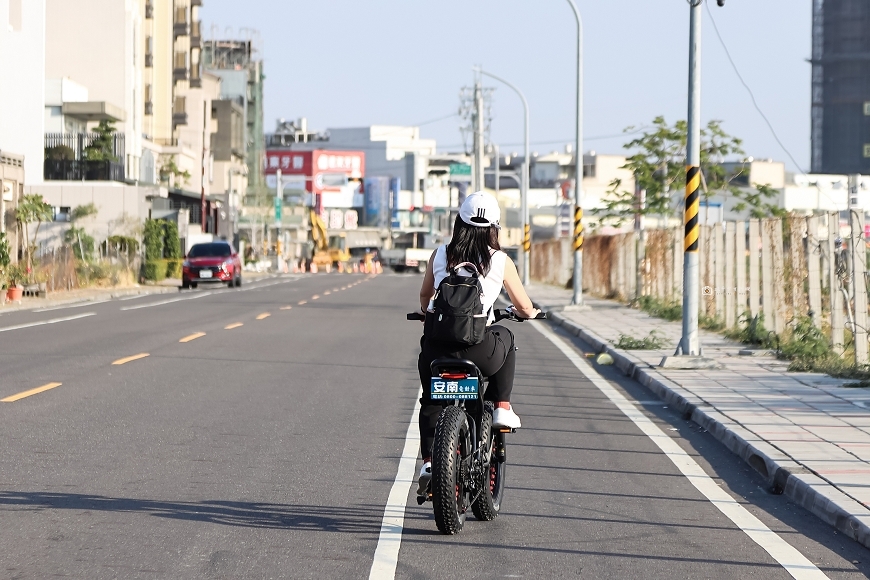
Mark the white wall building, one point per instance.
(96, 43)
(22, 82)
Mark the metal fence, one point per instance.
(80, 170)
(78, 142)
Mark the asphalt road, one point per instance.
(266, 444)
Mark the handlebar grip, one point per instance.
(541, 316)
(416, 316)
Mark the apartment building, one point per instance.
(22, 34)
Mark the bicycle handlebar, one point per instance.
(500, 314)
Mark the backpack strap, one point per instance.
(467, 266)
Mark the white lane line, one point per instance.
(52, 321)
(390, 539)
(787, 556)
(74, 305)
(162, 302)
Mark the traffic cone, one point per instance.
(378, 268)
(313, 267)
(356, 268)
(341, 267)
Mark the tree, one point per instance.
(76, 235)
(658, 166)
(31, 208)
(755, 202)
(170, 174)
(102, 147)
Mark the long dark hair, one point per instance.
(472, 244)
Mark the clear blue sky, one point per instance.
(344, 63)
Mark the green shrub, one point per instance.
(154, 270)
(153, 240)
(173, 268)
(171, 242)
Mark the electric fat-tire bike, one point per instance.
(469, 456)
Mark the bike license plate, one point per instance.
(450, 389)
(205, 273)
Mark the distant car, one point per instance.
(212, 262)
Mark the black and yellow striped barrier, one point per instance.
(527, 238)
(578, 228)
(693, 205)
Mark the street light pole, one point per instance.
(690, 342)
(524, 184)
(578, 169)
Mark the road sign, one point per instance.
(279, 204)
(460, 169)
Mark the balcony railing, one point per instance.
(81, 170)
(149, 9)
(71, 146)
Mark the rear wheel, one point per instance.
(488, 503)
(239, 281)
(449, 495)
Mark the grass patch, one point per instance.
(653, 341)
(661, 308)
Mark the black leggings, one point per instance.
(496, 359)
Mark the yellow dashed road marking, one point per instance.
(264, 315)
(125, 360)
(193, 336)
(286, 307)
(35, 391)
(301, 302)
(233, 325)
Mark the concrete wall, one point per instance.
(122, 208)
(22, 83)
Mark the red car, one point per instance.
(212, 262)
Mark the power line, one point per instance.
(751, 94)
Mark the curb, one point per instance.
(782, 473)
(49, 303)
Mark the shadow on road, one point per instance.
(366, 520)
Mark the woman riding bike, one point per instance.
(475, 240)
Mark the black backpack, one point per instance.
(458, 315)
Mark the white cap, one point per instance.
(480, 209)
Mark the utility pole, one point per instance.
(202, 172)
(577, 245)
(478, 135)
(524, 182)
(688, 353)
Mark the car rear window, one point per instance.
(209, 250)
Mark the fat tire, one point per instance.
(451, 434)
(488, 503)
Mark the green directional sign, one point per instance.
(460, 169)
(279, 204)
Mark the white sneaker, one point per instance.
(505, 418)
(425, 478)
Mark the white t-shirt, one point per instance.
(491, 283)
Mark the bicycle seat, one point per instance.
(455, 365)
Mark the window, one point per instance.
(867, 108)
(15, 15)
(214, 250)
(61, 214)
(867, 150)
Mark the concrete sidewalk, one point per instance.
(805, 432)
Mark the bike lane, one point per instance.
(601, 484)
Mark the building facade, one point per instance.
(22, 70)
(841, 87)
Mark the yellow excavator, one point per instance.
(328, 250)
